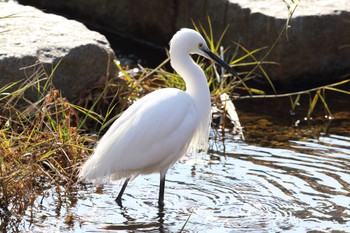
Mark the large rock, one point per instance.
(29, 36)
(316, 47)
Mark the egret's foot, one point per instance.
(161, 205)
(161, 193)
(119, 201)
(119, 198)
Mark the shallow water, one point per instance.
(285, 177)
(236, 187)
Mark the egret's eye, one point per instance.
(200, 45)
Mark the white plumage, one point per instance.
(149, 137)
(158, 129)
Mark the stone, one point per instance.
(31, 39)
(314, 50)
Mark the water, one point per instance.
(236, 187)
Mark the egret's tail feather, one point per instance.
(96, 172)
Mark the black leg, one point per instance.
(161, 192)
(119, 198)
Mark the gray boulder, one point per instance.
(31, 39)
(317, 46)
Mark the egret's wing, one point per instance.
(149, 137)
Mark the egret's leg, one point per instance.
(119, 198)
(161, 192)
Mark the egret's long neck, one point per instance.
(196, 82)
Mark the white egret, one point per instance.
(158, 129)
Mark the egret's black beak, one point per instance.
(218, 60)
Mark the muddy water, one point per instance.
(269, 183)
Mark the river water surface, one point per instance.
(297, 180)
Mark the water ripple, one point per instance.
(236, 188)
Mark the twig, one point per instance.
(292, 93)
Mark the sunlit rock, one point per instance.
(29, 36)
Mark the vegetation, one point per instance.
(40, 143)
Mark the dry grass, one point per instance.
(40, 146)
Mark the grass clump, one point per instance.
(40, 144)
(38, 150)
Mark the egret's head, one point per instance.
(189, 41)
